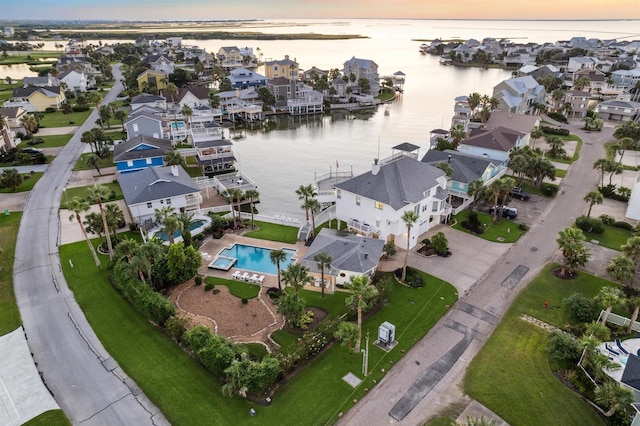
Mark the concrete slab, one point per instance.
(353, 380)
(13, 201)
(70, 231)
(23, 396)
(49, 131)
(475, 410)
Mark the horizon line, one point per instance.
(323, 19)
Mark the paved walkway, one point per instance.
(50, 131)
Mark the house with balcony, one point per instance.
(281, 89)
(626, 78)
(151, 79)
(578, 63)
(242, 78)
(619, 109)
(597, 78)
(492, 144)
(215, 156)
(192, 96)
(306, 101)
(43, 81)
(352, 256)
(372, 204)
(160, 62)
(35, 98)
(7, 136)
(286, 68)
(230, 57)
(139, 153)
(580, 102)
(466, 168)
(519, 95)
(157, 187)
(145, 124)
(522, 123)
(147, 99)
(75, 80)
(363, 68)
(13, 118)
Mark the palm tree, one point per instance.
(614, 395)
(574, 251)
(593, 197)
(186, 221)
(252, 195)
(304, 193)
(277, 257)
(631, 249)
(174, 158)
(115, 217)
(457, 134)
(347, 333)
(615, 168)
(120, 116)
(622, 146)
(322, 259)
(164, 212)
(475, 189)
(608, 298)
(474, 101)
(621, 269)
(312, 205)
(536, 133)
(77, 206)
(635, 302)
(602, 164)
(93, 160)
(171, 225)
(67, 109)
(556, 143)
(409, 218)
(95, 99)
(11, 178)
(297, 276)
(187, 112)
(361, 294)
(98, 194)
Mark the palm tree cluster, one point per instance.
(482, 106)
(310, 204)
(528, 163)
(574, 252)
(236, 196)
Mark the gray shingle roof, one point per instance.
(399, 182)
(25, 92)
(466, 168)
(212, 142)
(144, 98)
(127, 150)
(155, 183)
(406, 146)
(499, 139)
(631, 373)
(349, 252)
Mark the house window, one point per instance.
(129, 163)
(425, 207)
(149, 205)
(378, 205)
(357, 200)
(168, 201)
(434, 207)
(416, 209)
(148, 160)
(427, 193)
(339, 194)
(135, 127)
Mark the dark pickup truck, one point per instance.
(518, 193)
(508, 212)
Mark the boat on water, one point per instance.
(445, 61)
(424, 48)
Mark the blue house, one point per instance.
(140, 153)
(242, 78)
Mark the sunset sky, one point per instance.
(274, 9)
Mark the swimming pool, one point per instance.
(256, 259)
(177, 125)
(196, 228)
(222, 262)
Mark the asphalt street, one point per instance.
(85, 381)
(429, 378)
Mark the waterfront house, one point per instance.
(150, 79)
(314, 73)
(462, 113)
(373, 203)
(519, 94)
(363, 68)
(522, 123)
(194, 97)
(215, 156)
(619, 109)
(75, 80)
(160, 62)
(147, 99)
(157, 187)
(466, 168)
(494, 144)
(352, 256)
(34, 98)
(230, 57)
(306, 101)
(143, 123)
(281, 89)
(578, 63)
(139, 153)
(281, 68)
(242, 78)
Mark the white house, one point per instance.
(74, 80)
(519, 94)
(373, 203)
(157, 187)
(494, 144)
(146, 99)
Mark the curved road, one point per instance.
(85, 381)
(429, 378)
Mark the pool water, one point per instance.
(177, 125)
(165, 237)
(224, 263)
(256, 259)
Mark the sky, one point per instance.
(315, 9)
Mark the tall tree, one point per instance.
(457, 134)
(609, 297)
(187, 112)
(536, 133)
(77, 206)
(574, 251)
(253, 195)
(304, 193)
(409, 218)
(361, 294)
(174, 158)
(120, 116)
(93, 160)
(323, 260)
(593, 198)
(11, 178)
(603, 165)
(95, 99)
(631, 249)
(475, 189)
(312, 205)
(297, 276)
(171, 225)
(277, 257)
(621, 269)
(614, 396)
(99, 194)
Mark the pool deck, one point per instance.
(211, 247)
(631, 345)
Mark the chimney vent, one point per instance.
(174, 170)
(449, 159)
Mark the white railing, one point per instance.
(360, 226)
(621, 321)
(277, 219)
(215, 209)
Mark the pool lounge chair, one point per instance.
(244, 277)
(236, 275)
(619, 344)
(260, 279)
(254, 278)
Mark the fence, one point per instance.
(621, 321)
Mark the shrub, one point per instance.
(80, 108)
(580, 309)
(209, 286)
(305, 319)
(440, 243)
(549, 190)
(426, 242)
(49, 110)
(590, 224)
(273, 292)
(198, 280)
(563, 348)
(244, 300)
(608, 191)
(523, 227)
(606, 219)
(176, 326)
(413, 278)
(623, 225)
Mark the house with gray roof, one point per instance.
(143, 123)
(522, 123)
(619, 109)
(363, 68)
(494, 144)
(352, 255)
(242, 78)
(466, 168)
(147, 99)
(157, 187)
(519, 94)
(215, 156)
(139, 153)
(372, 204)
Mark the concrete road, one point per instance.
(429, 378)
(83, 378)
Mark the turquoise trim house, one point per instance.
(139, 153)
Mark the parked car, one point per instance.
(32, 151)
(518, 193)
(508, 212)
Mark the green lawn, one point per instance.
(187, 395)
(236, 288)
(9, 313)
(104, 162)
(576, 153)
(194, 171)
(49, 418)
(511, 374)
(506, 231)
(82, 192)
(274, 232)
(30, 58)
(612, 237)
(50, 141)
(58, 119)
(30, 179)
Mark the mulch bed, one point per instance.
(557, 272)
(318, 315)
